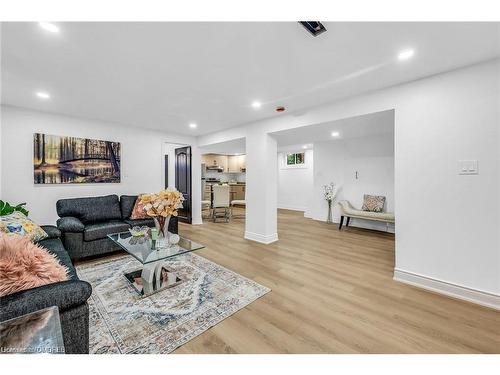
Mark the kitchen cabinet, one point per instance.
(242, 163)
(236, 163)
(233, 164)
(239, 191)
(229, 164)
(211, 160)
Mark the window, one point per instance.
(295, 159)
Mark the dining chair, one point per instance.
(221, 204)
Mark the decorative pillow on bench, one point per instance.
(373, 203)
(19, 224)
(24, 265)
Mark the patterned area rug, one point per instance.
(123, 322)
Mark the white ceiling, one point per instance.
(166, 75)
(232, 147)
(352, 127)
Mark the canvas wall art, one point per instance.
(70, 160)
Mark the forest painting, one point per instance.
(70, 160)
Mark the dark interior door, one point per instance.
(166, 171)
(183, 181)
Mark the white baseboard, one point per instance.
(196, 221)
(449, 289)
(292, 208)
(261, 238)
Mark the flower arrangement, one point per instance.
(330, 191)
(162, 205)
(165, 203)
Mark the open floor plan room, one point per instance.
(298, 187)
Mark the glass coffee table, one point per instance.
(155, 275)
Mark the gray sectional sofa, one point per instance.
(86, 222)
(69, 296)
(81, 232)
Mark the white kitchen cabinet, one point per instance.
(233, 165)
(230, 164)
(242, 163)
(211, 160)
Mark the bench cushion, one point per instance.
(348, 210)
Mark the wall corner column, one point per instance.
(261, 195)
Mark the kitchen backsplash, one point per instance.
(225, 177)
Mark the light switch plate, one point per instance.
(468, 167)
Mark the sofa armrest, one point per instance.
(51, 231)
(65, 295)
(70, 224)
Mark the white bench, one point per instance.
(348, 211)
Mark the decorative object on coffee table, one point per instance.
(174, 239)
(330, 191)
(161, 206)
(139, 231)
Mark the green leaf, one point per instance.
(6, 208)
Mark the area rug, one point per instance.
(121, 321)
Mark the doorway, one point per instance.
(177, 174)
(183, 181)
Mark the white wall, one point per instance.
(142, 159)
(338, 161)
(295, 184)
(447, 225)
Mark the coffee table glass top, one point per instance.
(141, 248)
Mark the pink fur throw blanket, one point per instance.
(24, 265)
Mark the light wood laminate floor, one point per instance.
(333, 292)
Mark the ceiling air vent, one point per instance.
(314, 27)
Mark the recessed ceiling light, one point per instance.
(335, 134)
(406, 54)
(193, 125)
(49, 27)
(43, 95)
(256, 105)
(304, 147)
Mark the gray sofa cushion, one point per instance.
(101, 230)
(127, 203)
(52, 231)
(141, 222)
(70, 224)
(91, 209)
